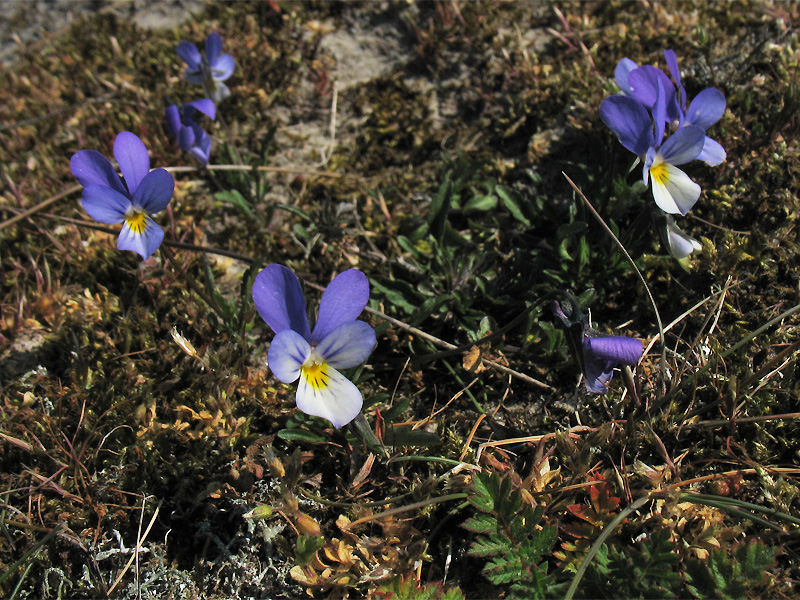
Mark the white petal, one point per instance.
(324, 392)
(674, 193)
(679, 244)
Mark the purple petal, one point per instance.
(660, 111)
(189, 54)
(706, 109)
(155, 191)
(630, 122)
(202, 149)
(342, 302)
(644, 83)
(186, 139)
(617, 349)
(624, 68)
(201, 153)
(672, 63)
(104, 204)
(205, 106)
(597, 374)
(329, 395)
(223, 67)
(92, 168)
(348, 345)
(712, 154)
(683, 145)
(144, 243)
(279, 300)
(173, 118)
(213, 46)
(650, 158)
(134, 162)
(287, 353)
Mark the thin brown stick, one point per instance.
(262, 169)
(40, 206)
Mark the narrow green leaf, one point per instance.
(235, 198)
(301, 435)
(480, 203)
(512, 204)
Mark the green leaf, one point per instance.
(407, 245)
(295, 211)
(307, 546)
(397, 409)
(400, 294)
(513, 206)
(440, 208)
(428, 307)
(755, 558)
(492, 545)
(301, 435)
(235, 198)
(733, 576)
(571, 229)
(480, 524)
(480, 203)
(484, 487)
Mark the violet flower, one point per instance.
(338, 340)
(601, 355)
(629, 119)
(209, 68)
(191, 138)
(644, 83)
(598, 354)
(108, 200)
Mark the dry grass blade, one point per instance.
(135, 554)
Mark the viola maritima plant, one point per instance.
(110, 200)
(338, 340)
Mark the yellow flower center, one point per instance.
(316, 373)
(137, 221)
(658, 171)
